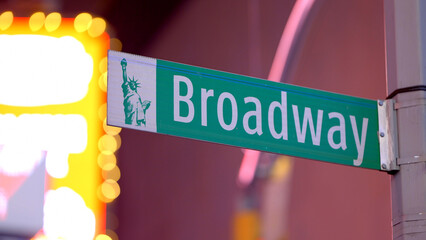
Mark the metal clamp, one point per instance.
(409, 224)
(411, 160)
(388, 138)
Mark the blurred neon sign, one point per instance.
(52, 108)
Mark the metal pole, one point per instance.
(405, 22)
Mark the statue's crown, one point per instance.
(123, 62)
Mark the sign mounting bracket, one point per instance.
(388, 137)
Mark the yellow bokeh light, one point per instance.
(113, 174)
(103, 237)
(107, 161)
(97, 27)
(6, 19)
(37, 21)
(82, 22)
(53, 21)
(110, 130)
(101, 196)
(118, 140)
(102, 82)
(110, 189)
(102, 112)
(107, 144)
(112, 234)
(281, 168)
(103, 65)
(115, 44)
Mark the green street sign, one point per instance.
(175, 99)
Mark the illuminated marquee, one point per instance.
(53, 109)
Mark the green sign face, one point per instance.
(186, 101)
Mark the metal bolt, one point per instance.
(380, 102)
(384, 166)
(382, 134)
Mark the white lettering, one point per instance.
(257, 114)
(234, 110)
(360, 146)
(177, 98)
(340, 128)
(204, 95)
(307, 119)
(283, 107)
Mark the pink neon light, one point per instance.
(290, 35)
(291, 32)
(248, 167)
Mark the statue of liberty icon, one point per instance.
(134, 107)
